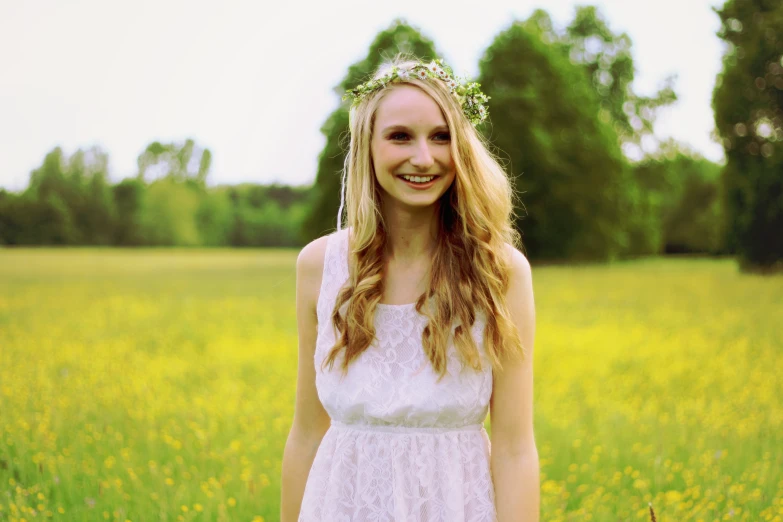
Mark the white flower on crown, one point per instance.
(434, 67)
(421, 73)
(452, 83)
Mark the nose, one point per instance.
(422, 157)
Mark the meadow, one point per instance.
(158, 385)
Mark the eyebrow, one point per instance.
(439, 128)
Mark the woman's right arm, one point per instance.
(310, 419)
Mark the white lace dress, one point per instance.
(401, 447)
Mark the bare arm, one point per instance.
(514, 459)
(310, 419)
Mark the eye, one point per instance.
(398, 136)
(443, 136)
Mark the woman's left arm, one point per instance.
(514, 458)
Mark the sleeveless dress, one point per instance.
(401, 447)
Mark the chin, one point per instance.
(420, 202)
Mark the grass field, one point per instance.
(158, 385)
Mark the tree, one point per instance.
(178, 162)
(55, 195)
(680, 192)
(214, 218)
(607, 60)
(76, 190)
(566, 163)
(398, 38)
(168, 214)
(748, 104)
(129, 200)
(267, 215)
(94, 211)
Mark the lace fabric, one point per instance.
(401, 446)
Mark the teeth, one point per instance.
(419, 179)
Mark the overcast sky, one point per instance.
(254, 81)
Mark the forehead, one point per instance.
(410, 106)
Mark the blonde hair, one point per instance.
(471, 265)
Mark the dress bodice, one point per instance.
(393, 383)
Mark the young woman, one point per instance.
(415, 321)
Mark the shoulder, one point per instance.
(518, 263)
(520, 285)
(312, 255)
(309, 269)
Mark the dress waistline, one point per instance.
(406, 429)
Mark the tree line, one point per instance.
(70, 201)
(593, 180)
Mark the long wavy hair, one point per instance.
(471, 265)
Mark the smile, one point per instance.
(418, 179)
(419, 182)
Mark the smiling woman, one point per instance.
(415, 156)
(414, 322)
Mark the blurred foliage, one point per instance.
(176, 162)
(748, 105)
(679, 192)
(607, 59)
(566, 163)
(264, 215)
(398, 38)
(70, 201)
(580, 195)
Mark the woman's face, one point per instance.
(411, 138)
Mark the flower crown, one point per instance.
(469, 95)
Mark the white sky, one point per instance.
(253, 81)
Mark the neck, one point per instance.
(412, 235)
